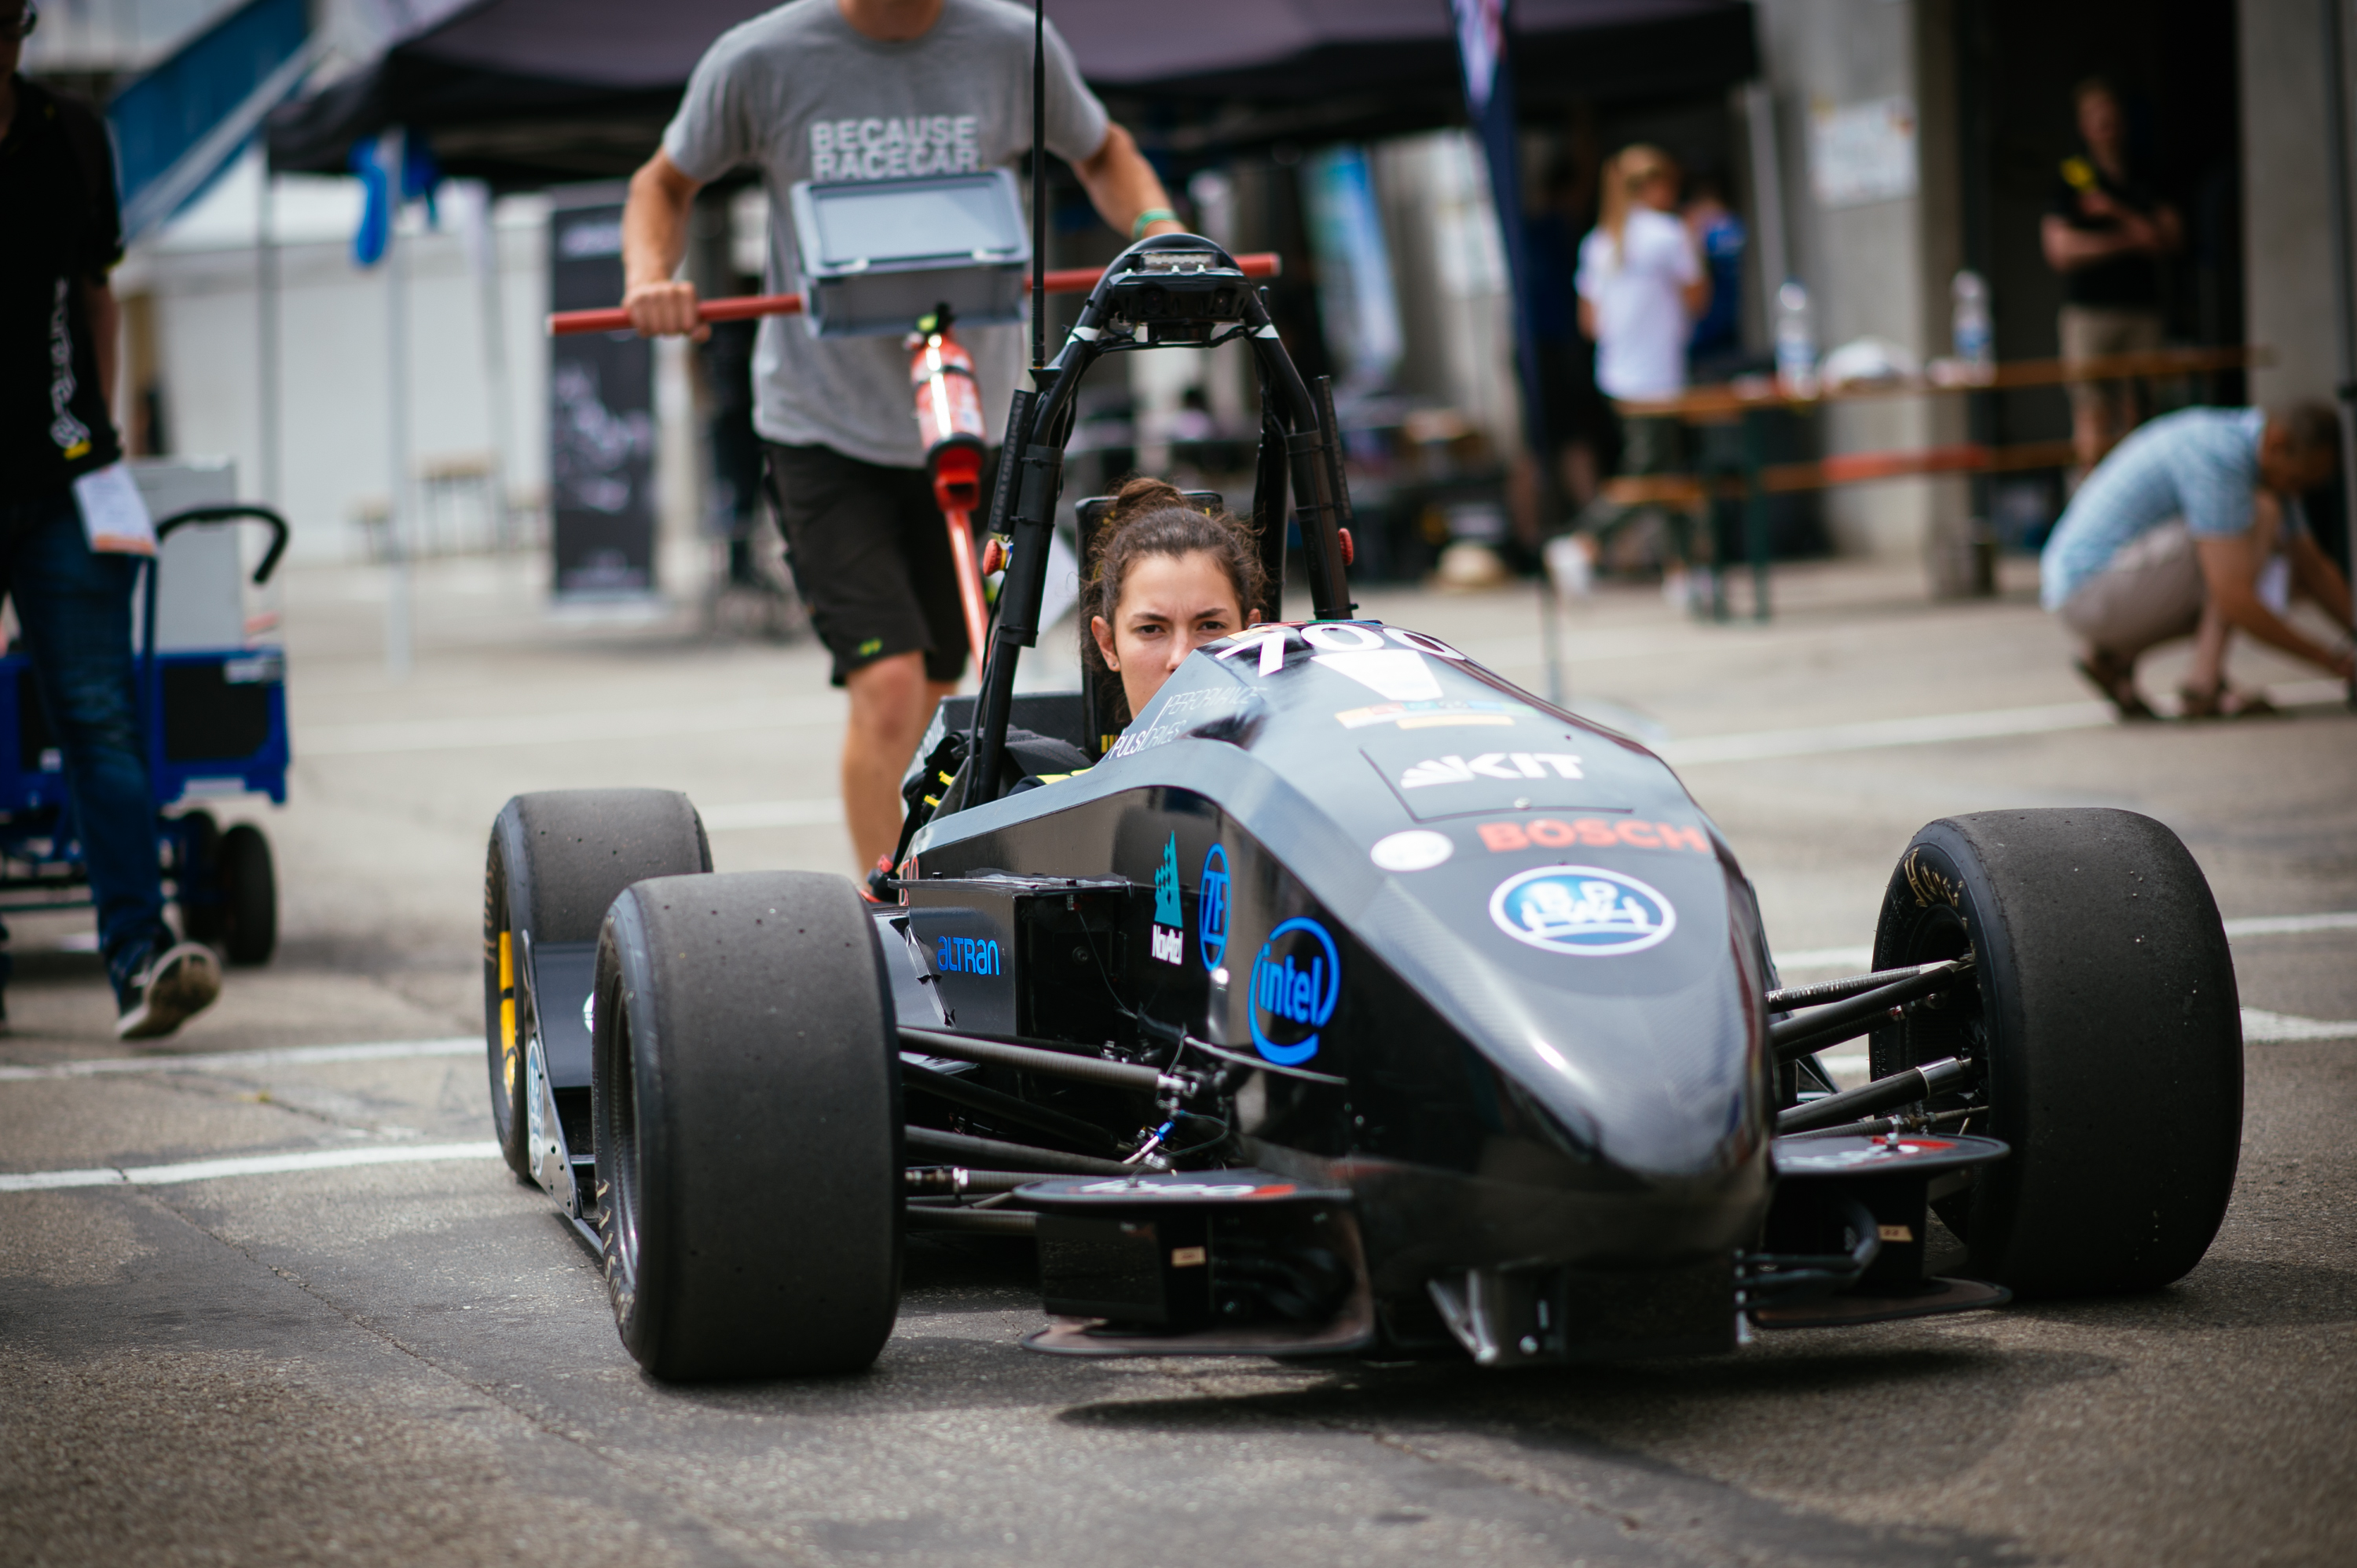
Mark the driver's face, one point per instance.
(1169, 606)
(14, 15)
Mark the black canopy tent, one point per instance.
(530, 93)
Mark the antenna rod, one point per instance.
(1039, 187)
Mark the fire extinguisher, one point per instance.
(949, 419)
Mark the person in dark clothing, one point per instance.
(57, 322)
(2105, 233)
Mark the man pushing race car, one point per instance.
(867, 90)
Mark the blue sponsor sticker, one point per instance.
(1583, 910)
(1296, 980)
(1211, 909)
(1165, 885)
(965, 955)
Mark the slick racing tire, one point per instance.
(747, 1098)
(2104, 1015)
(556, 860)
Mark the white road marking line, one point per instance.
(251, 1165)
(772, 815)
(1927, 729)
(1859, 958)
(2261, 1028)
(553, 729)
(233, 1061)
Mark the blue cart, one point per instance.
(215, 723)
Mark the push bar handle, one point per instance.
(263, 514)
(745, 308)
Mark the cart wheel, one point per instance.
(248, 910)
(558, 858)
(2105, 1020)
(748, 1112)
(197, 878)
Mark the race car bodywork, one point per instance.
(1354, 1000)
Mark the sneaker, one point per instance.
(171, 987)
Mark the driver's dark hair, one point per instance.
(1149, 516)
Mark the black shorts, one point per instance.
(871, 559)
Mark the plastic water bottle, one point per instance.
(1796, 342)
(1974, 345)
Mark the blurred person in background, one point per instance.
(2172, 535)
(1718, 235)
(63, 233)
(2105, 233)
(1642, 286)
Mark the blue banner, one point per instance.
(182, 124)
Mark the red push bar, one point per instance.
(1072, 280)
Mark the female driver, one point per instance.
(1163, 580)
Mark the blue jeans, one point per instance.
(74, 607)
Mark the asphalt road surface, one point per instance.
(259, 1326)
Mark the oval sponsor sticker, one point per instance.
(1418, 849)
(1582, 909)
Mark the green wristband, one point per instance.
(1151, 215)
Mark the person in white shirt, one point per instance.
(1640, 288)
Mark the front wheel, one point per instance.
(2103, 1019)
(747, 1098)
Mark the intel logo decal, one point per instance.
(1296, 980)
(1582, 910)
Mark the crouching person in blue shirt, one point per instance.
(2173, 535)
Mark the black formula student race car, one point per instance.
(1350, 1001)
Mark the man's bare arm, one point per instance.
(2315, 574)
(2230, 571)
(654, 238)
(1121, 185)
(105, 317)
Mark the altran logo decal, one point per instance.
(1296, 979)
(1211, 909)
(1583, 910)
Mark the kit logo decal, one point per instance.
(1596, 832)
(1297, 981)
(1211, 909)
(1511, 765)
(1583, 910)
(966, 955)
(1170, 940)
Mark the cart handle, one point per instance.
(231, 514)
(743, 307)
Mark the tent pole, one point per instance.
(397, 639)
(266, 258)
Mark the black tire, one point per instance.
(748, 1114)
(556, 860)
(195, 879)
(2106, 1016)
(249, 896)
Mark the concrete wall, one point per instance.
(1878, 268)
(2288, 253)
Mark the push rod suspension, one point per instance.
(1814, 1031)
(983, 1221)
(1000, 1107)
(1031, 1058)
(955, 1181)
(1794, 996)
(1905, 1088)
(967, 1150)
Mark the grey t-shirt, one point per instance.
(798, 93)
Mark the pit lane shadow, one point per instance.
(2222, 1293)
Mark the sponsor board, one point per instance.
(1149, 1192)
(966, 955)
(1297, 981)
(1449, 713)
(1211, 909)
(1594, 832)
(1583, 910)
(1510, 766)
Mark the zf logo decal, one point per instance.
(1513, 766)
(1583, 910)
(1211, 909)
(966, 955)
(1296, 980)
(1169, 942)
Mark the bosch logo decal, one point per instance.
(1297, 981)
(1596, 833)
(1583, 910)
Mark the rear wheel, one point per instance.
(556, 860)
(249, 896)
(748, 1111)
(2104, 1016)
